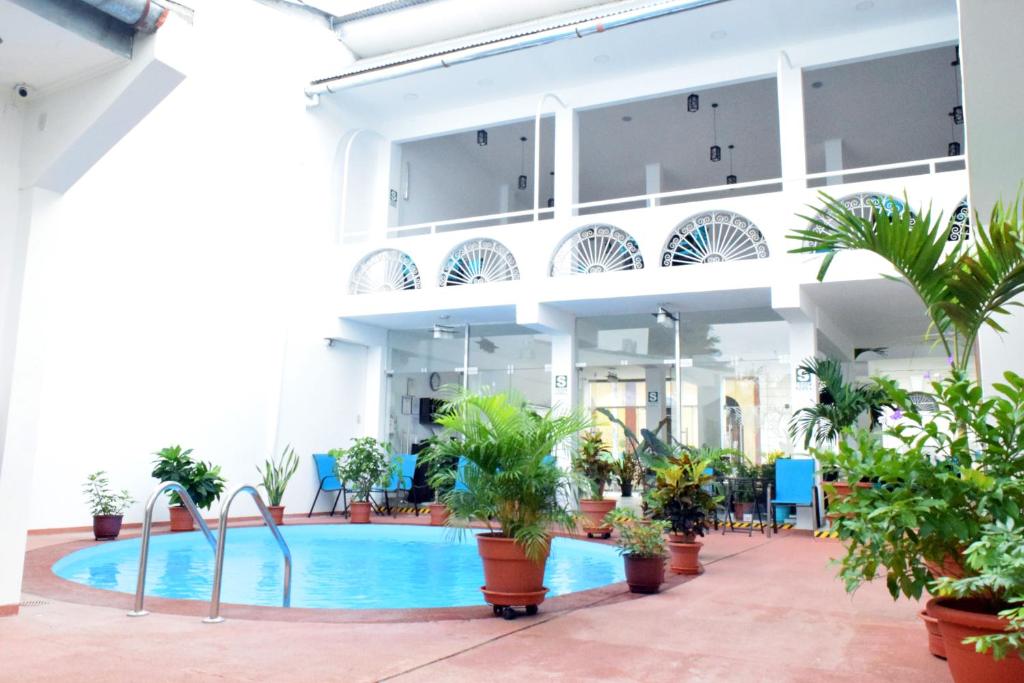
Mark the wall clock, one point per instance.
(435, 381)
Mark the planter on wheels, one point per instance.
(935, 643)
(359, 512)
(438, 514)
(510, 578)
(276, 513)
(959, 619)
(106, 527)
(593, 512)
(644, 574)
(684, 552)
(181, 520)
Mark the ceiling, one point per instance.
(44, 55)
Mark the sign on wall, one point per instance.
(652, 396)
(561, 381)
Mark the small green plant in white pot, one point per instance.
(107, 507)
(276, 476)
(364, 466)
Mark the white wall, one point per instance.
(12, 249)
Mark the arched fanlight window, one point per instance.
(960, 222)
(924, 402)
(713, 237)
(863, 205)
(596, 249)
(384, 270)
(477, 262)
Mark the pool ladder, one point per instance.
(217, 544)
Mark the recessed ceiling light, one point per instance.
(410, 97)
(718, 35)
(485, 82)
(864, 5)
(627, 119)
(817, 84)
(602, 59)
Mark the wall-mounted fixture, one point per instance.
(522, 165)
(716, 151)
(693, 103)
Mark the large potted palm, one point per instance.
(509, 482)
(959, 470)
(201, 480)
(593, 463)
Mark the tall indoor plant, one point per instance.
(364, 466)
(593, 463)
(106, 506)
(201, 480)
(510, 483)
(275, 476)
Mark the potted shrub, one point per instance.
(511, 484)
(440, 477)
(201, 480)
(363, 466)
(275, 480)
(107, 507)
(682, 495)
(593, 464)
(642, 546)
(626, 469)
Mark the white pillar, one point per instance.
(989, 50)
(655, 381)
(504, 201)
(567, 149)
(834, 160)
(792, 138)
(652, 180)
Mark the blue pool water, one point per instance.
(340, 566)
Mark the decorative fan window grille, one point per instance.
(596, 249)
(714, 237)
(863, 205)
(960, 222)
(478, 261)
(924, 402)
(384, 270)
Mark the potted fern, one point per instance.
(510, 483)
(642, 546)
(275, 480)
(201, 480)
(106, 506)
(363, 466)
(592, 462)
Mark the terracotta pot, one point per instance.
(510, 578)
(106, 527)
(359, 512)
(181, 520)
(739, 510)
(438, 514)
(959, 619)
(935, 643)
(593, 512)
(644, 574)
(684, 558)
(276, 513)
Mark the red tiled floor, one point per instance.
(763, 611)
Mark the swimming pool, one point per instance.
(373, 566)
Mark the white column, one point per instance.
(652, 180)
(564, 384)
(989, 49)
(792, 139)
(655, 380)
(504, 201)
(834, 160)
(803, 392)
(567, 182)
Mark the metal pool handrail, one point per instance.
(218, 573)
(147, 528)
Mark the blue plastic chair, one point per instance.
(329, 481)
(460, 485)
(794, 485)
(402, 479)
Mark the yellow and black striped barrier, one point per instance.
(826, 533)
(405, 510)
(755, 525)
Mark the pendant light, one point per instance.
(481, 138)
(551, 200)
(953, 149)
(693, 103)
(730, 179)
(958, 110)
(522, 165)
(716, 151)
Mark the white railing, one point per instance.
(926, 166)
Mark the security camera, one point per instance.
(23, 90)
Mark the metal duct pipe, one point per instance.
(145, 16)
(500, 46)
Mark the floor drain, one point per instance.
(33, 603)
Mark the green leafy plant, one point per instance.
(202, 480)
(509, 474)
(364, 465)
(277, 474)
(683, 491)
(842, 406)
(593, 463)
(637, 537)
(103, 501)
(626, 468)
(997, 563)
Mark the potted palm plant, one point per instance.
(510, 483)
(363, 466)
(682, 494)
(201, 480)
(106, 506)
(275, 477)
(592, 462)
(642, 546)
(957, 472)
